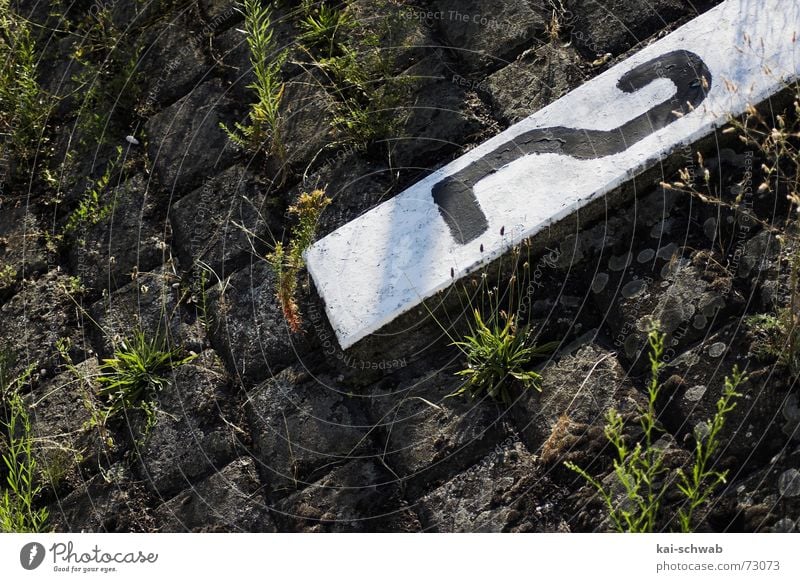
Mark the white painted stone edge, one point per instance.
(348, 335)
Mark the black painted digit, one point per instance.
(455, 194)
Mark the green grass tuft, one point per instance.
(498, 354)
(136, 374)
(324, 28)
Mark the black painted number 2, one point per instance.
(455, 194)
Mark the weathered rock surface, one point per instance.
(177, 54)
(307, 117)
(135, 14)
(767, 500)
(751, 434)
(21, 252)
(686, 297)
(495, 495)
(443, 118)
(222, 223)
(614, 26)
(185, 141)
(426, 438)
(39, 315)
(219, 14)
(486, 34)
(106, 503)
(191, 438)
(361, 496)
(249, 331)
(69, 446)
(151, 304)
(231, 500)
(130, 239)
(536, 79)
(303, 427)
(583, 387)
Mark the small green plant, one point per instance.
(199, 289)
(8, 275)
(73, 286)
(639, 471)
(107, 79)
(775, 141)
(286, 262)
(357, 71)
(498, 354)
(370, 96)
(98, 417)
(324, 28)
(497, 342)
(267, 61)
(18, 513)
(17, 509)
(198, 296)
(701, 482)
(24, 107)
(777, 337)
(135, 375)
(92, 208)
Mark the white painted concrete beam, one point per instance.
(546, 167)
